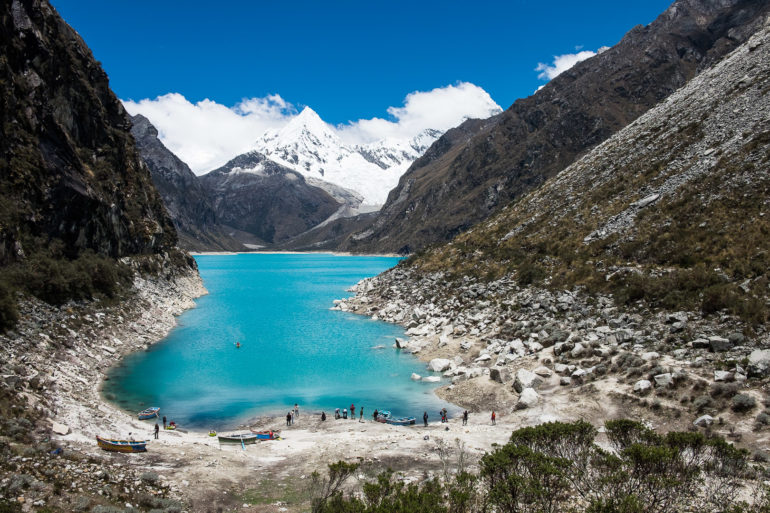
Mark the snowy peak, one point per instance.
(392, 152)
(309, 129)
(310, 146)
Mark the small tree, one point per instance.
(324, 489)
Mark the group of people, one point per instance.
(170, 426)
(344, 414)
(292, 415)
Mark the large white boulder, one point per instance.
(439, 364)
(527, 399)
(526, 379)
(415, 377)
(642, 386)
(759, 362)
(431, 379)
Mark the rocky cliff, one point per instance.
(182, 193)
(463, 181)
(265, 202)
(68, 166)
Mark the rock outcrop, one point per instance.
(69, 169)
(183, 195)
(255, 196)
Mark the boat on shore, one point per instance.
(403, 421)
(110, 444)
(149, 413)
(238, 438)
(267, 435)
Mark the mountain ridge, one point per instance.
(183, 195)
(540, 135)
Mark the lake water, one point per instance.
(294, 349)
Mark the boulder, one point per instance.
(642, 386)
(719, 344)
(544, 372)
(439, 364)
(704, 421)
(722, 375)
(499, 374)
(664, 380)
(650, 356)
(577, 351)
(561, 368)
(525, 379)
(483, 358)
(60, 429)
(527, 399)
(415, 376)
(759, 362)
(700, 343)
(565, 381)
(431, 379)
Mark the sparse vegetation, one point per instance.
(558, 467)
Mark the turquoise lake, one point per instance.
(294, 349)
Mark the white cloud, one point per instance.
(441, 109)
(563, 63)
(206, 134)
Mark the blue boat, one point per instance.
(149, 413)
(403, 421)
(109, 444)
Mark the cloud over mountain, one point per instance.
(564, 62)
(207, 134)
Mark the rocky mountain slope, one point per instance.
(465, 181)
(633, 283)
(265, 202)
(68, 166)
(183, 195)
(311, 147)
(671, 210)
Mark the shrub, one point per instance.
(743, 403)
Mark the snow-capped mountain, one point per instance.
(310, 146)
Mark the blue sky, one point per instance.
(347, 60)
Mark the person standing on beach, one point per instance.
(493, 418)
(425, 418)
(352, 411)
(361, 416)
(164, 422)
(323, 416)
(288, 419)
(465, 418)
(157, 428)
(374, 415)
(344, 413)
(296, 411)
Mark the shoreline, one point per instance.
(332, 253)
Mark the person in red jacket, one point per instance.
(493, 418)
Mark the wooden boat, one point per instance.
(109, 444)
(383, 416)
(403, 421)
(149, 413)
(267, 435)
(238, 438)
